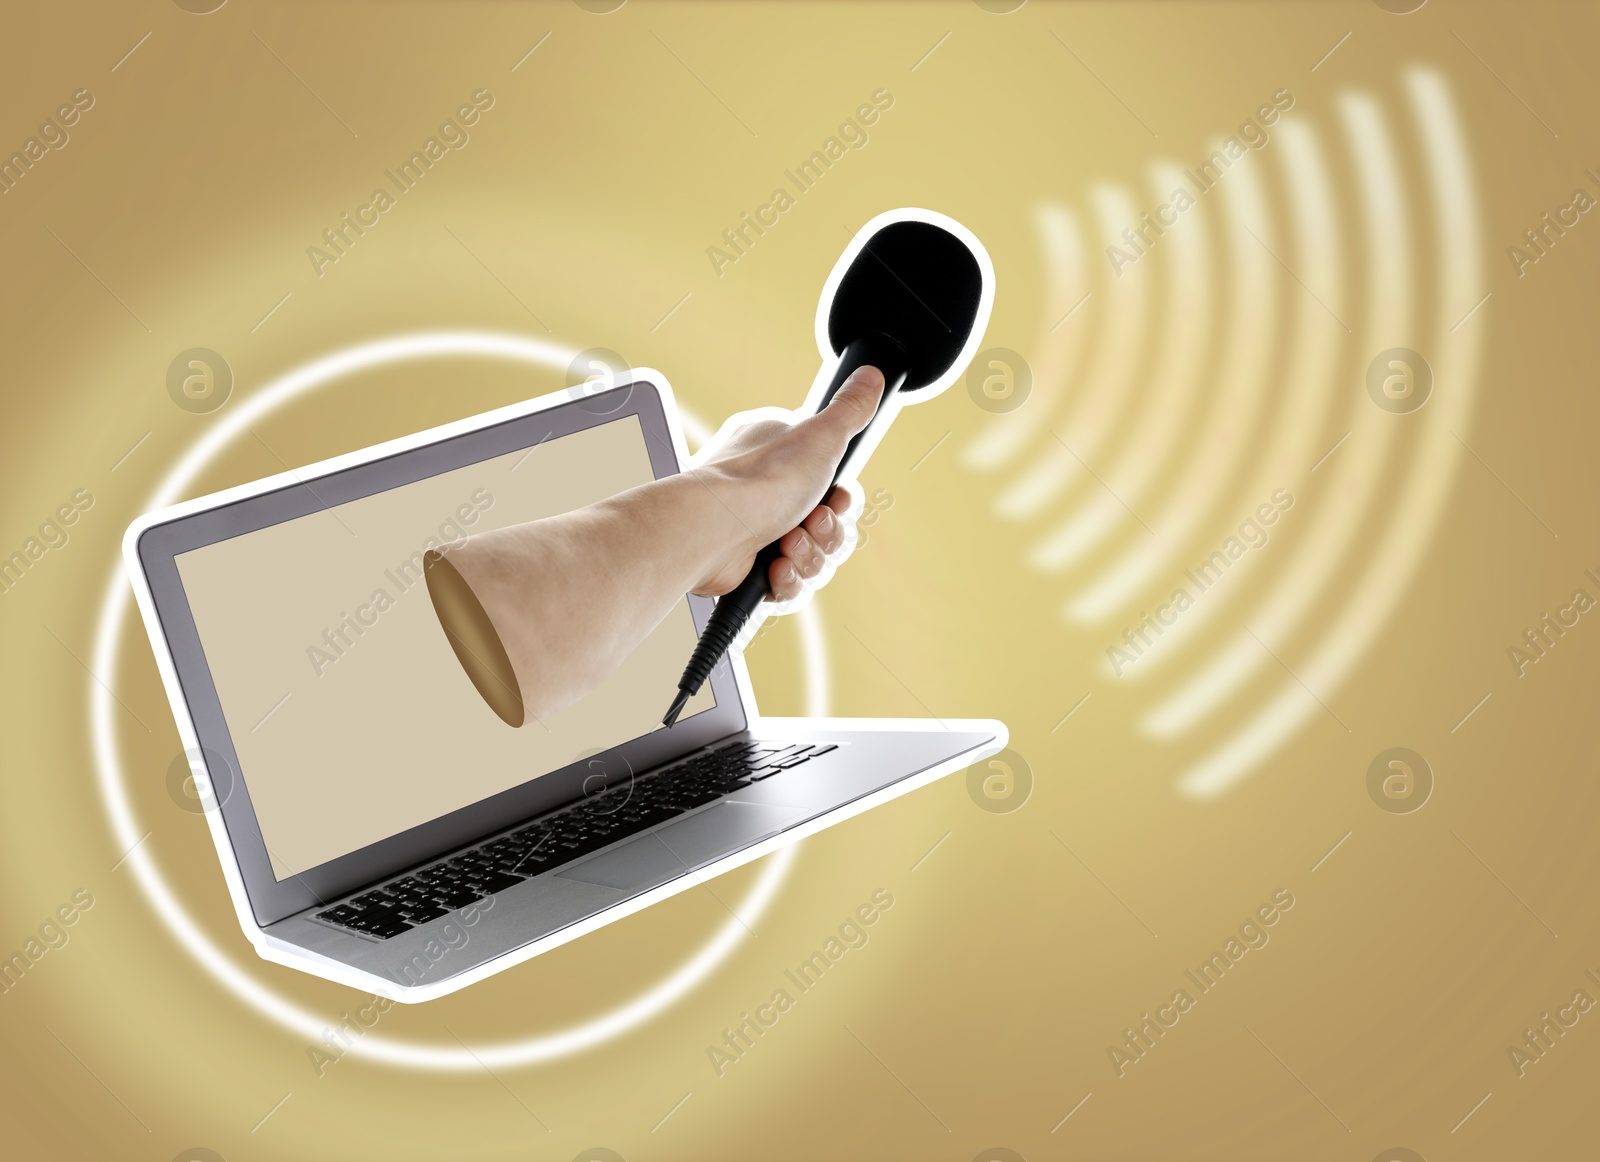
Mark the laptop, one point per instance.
(363, 797)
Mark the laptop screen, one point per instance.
(350, 715)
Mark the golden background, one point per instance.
(1022, 943)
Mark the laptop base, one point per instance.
(876, 760)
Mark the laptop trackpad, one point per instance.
(671, 851)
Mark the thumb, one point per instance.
(851, 408)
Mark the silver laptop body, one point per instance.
(376, 806)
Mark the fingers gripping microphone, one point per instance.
(911, 297)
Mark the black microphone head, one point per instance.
(918, 283)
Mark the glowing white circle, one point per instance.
(108, 768)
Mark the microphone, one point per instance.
(910, 296)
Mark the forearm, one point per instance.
(573, 595)
(610, 572)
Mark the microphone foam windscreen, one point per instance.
(917, 283)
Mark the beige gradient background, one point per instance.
(1021, 944)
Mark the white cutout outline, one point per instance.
(209, 956)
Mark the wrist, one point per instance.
(708, 524)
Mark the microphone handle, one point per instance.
(735, 607)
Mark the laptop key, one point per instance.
(558, 858)
(497, 882)
(422, 913)
(458, 897)
(696, 799)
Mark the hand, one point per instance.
(766, 476)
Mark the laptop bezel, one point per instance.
(158, 538)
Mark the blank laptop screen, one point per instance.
(352, 719)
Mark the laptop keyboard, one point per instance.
(557, 839)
